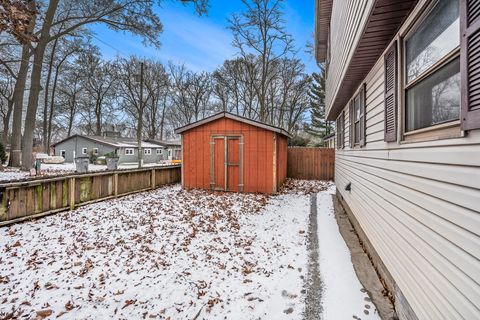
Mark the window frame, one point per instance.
(145, 151)
(95, 151)
(158, 151)
(84, 150)
(132, 150)
(63, 151)
(445, 130)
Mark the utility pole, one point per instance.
(140, 120)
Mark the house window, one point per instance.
(432, 68)
(357, 118)
(170, 152)
(159, 151)
(62, 153)
(147, 151)
(84, 150)
(95, 151)
(129, 151)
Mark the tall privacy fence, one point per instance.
(311, 163)
(34, 198)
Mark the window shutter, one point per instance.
(338, 131)
(352, 124)
(342, 121)
(470, 64)
(390, 98)
(363, 122)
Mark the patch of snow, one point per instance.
(343, 296)
(165, 254)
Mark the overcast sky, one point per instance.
(203, 43)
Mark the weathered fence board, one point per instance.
(33, 198)
(311, 163)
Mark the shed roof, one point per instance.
(233, 117)
(114, 142)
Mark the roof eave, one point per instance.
(361, 63)
(323, 14)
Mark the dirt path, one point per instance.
(314, 285)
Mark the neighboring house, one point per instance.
(329, 140)
(227, 152)
(173, 148)
(125, 148)
(403, 84)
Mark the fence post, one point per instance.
(72, 193)
(153, 179)
(115, 184)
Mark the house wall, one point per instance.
(349, 19)
(419, 206)
(77, 144)
(257, 158)
(153, 158)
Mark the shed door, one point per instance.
(233, 163)
(226, 163)
(218, 160)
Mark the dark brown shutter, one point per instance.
(352, 123)
(470, 63)
(342, 121)
(338, 132)
(390, 97)
(363, 122)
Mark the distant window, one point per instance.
(159, 151)
(84, 150)
(129, 151)
(147, 151)
(62, 153)
(432, 67)
(170, 152)
(95, 151)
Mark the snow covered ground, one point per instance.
(343, 296)
(164, 254)
(11, 174)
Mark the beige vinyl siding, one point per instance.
(348, 21)
(419, 205)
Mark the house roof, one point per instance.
(323, 14)
(166, 143)
(383, 22)
(119, 142)
(233, 117)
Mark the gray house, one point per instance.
(173, 148)
(125, 148)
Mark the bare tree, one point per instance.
(157, 86)
(260, 30)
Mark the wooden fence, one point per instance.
(311, 163)
(34, 198)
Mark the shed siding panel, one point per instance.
(418, 204)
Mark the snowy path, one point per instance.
(164, 254)
(343, 297)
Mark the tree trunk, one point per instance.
(52, 107)
(16, 142)
(98, 116)
(45, 105)
(140, 120)
(6, 122)
(27, 159)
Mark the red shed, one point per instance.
(227, 152)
